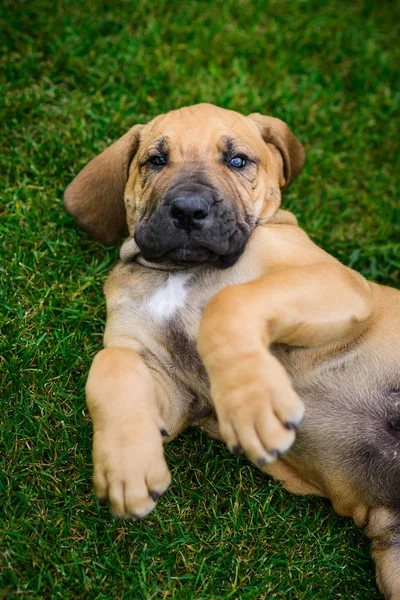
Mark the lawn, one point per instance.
(75, 76)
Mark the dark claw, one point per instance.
(102, 501)
(135, 517)
(164, 433)
(237, 450)
(291, 426)
(294, 426)
(278, 453)
(262, 462)
(155, 495)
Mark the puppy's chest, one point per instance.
(161, 313)
(168, 300)
(172, 314)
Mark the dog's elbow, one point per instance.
(362, 311)
(363, 302)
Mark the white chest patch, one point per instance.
(169, 298)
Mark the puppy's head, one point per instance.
(191, 185)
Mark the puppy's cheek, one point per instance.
(131, 220)
(134, 211)
(271, 200)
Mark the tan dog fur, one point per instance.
(286, 325)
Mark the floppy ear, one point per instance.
(95, 198)
(276, 132)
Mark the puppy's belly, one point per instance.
(350, 441)
(351, 434)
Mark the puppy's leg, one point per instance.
(130, 415)
(324, 304)
(383, 528)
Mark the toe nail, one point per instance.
(102, 501)
(237, 450)
(294, 426)
(279, 453)
(155, 495)
(135, 517)
(290, 426)
(164, 433)
(262, 462)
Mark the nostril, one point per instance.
(200, 214)
(176, 211)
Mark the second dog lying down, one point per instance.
(202, 193)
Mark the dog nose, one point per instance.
(189, 212)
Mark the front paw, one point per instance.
(130, 469)
(258, 410)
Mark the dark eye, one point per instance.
(157, 160)
(238, 162)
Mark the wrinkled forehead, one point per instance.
(200, 131)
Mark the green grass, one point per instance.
(75, 76)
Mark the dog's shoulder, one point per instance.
(280, 243)
(284, 217)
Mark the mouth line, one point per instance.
(160, 266)
(210, 259)
(164, 263)
(186, 256)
